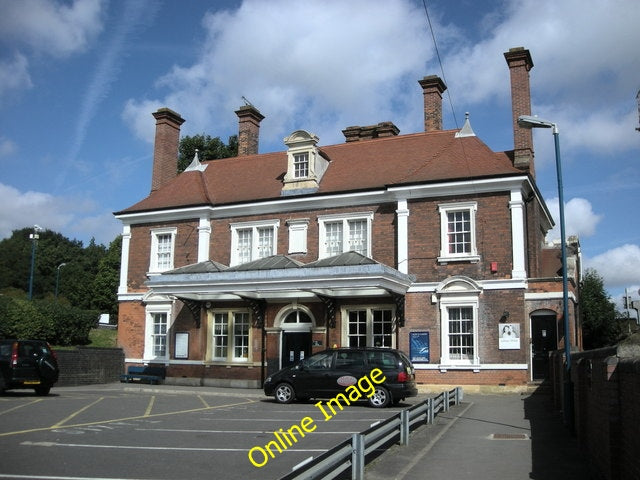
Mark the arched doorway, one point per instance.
(296, 336)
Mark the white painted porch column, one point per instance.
(402, 214)
(204, 238)
(516, 205)
(124, 258)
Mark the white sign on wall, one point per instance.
(509, 336)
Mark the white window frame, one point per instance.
(154, 264)
(254, 227)
(301, 165)
(151, 312)
(345, 218)
(231, 337)
(445, 210)
(368, 311)
(456, 301)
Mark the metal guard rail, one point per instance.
(352, 453)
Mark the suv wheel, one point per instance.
(284, 393)
(381, 398)
(43, 390)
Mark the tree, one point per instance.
(106, 281)
(600, 327)
(208, 149)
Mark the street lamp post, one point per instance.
(58, 278)
(34, 240)
(527, 121)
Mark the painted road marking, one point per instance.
(98, 422)
(62, 422)
(138, 447)
(20, 406)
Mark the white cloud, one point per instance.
(352, 63)
(14, 74)
(579, 218)
(619, 267)
(43, 27)
(584, 82)
(50, 26)
(60, 214)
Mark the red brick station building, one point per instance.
(429, 242)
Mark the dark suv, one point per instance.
(27, 364)
(328, 373)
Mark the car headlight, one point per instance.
(268, 380)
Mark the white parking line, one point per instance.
(138, 447)
(49, 477)
(233, 431)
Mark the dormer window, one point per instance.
(301, 165)
(305, 164)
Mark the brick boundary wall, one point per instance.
(606, 411)
(87, 366)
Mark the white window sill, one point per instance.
(465, 258)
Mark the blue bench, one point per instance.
(145, 374)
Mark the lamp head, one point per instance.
(528, 121)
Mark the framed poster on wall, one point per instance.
(419, 347)
(182, 345)
(508, 336)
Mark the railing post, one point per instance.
(404, 427)
(357, 457)
(446, 400)
(430, 412)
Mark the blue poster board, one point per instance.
(419, 347)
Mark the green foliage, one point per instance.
(600, 327)
(86, 279)
(208, 149)
(54, 322)
(105, 283)
(21, 318)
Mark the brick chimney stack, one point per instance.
(165, 150)
(249, 119)
(519, 61)
(432, 89)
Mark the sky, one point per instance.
(79, 80)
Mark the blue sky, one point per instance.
(79, 80)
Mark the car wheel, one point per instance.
(43, 390)
(381, 398)
(284, 393)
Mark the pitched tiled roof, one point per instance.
(355, 166)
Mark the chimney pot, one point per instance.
(249, 119)
(432, 89)
(165, 149)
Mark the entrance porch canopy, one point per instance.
(281, 277)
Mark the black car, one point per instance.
(328, 373)
(27, 364)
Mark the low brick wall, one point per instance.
(86, 366)
(606, 411)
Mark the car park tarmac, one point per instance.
(160, 432)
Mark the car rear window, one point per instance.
(382, 359)
(5, 349)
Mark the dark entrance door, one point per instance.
(295, 347)
(544, 339)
